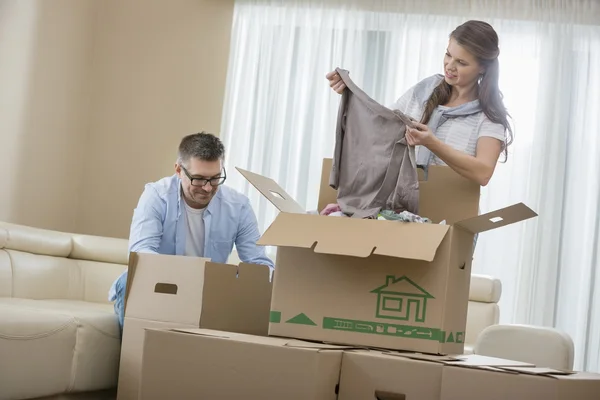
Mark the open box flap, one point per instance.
(472, 360)
(355, 237)
(422, 357)
(258, 273)
(496, 219)
(327, 194)
(165, 288)
(241, 337)
(266, 340)
(204, 332)
(317, 345)
(446, 195)
(538, 371)
(273, 192)
(476, 360)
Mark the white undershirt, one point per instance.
(194, 240)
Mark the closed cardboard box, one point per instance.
(403, 376)
(165, 291)
(518, 383)
(205, 364)
(377, 375)
(384, 284)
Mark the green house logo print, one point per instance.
(401, 299)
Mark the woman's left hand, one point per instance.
(420, 135)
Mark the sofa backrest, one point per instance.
(45, 264)
(483, 311)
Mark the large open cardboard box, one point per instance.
(207, 364)
(378, 283)
(165, 291)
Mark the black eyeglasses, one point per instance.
(216, 181)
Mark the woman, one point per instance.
(463, 121)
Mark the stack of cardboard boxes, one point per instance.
(172, 292)
(358, 309)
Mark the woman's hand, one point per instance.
(335, 82)
(420, 135)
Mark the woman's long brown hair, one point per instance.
(480, 39)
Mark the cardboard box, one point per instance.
(206, 364)
(399, 376)
(377, 375)
(165, 291)
(378, 283)
(518, 383)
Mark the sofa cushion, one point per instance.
(96, 277)
(44, 277)
(3, 237)
(40, 347)
(5, 274)
(31, 276)
(57, 346)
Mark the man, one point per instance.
(191, 213)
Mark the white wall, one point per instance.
(159, 74)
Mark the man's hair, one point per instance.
(203, 146)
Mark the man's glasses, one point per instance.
(216, 181)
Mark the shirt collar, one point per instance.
(212, 206)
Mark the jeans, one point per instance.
(119, 305)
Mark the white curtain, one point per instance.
(280, 115)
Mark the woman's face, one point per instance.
(461, 68)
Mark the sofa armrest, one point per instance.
(485, 289)
(542, 346)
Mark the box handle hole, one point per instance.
(275, 194)
(165, 288)
(381, 395)
(496, 219)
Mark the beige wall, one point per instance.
(45, 55)
(159, 74)
(96, 95)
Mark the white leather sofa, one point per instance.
(59, 336)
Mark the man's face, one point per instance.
(201, 192)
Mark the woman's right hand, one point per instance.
(335, 82)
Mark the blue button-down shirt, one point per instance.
(159, 225)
